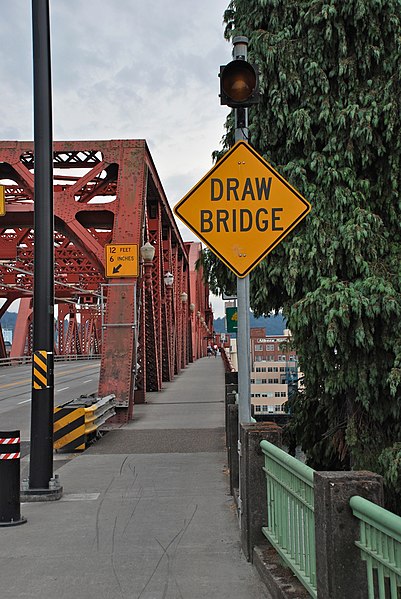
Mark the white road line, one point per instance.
(62, 389)
(26, 401)
(88, 381)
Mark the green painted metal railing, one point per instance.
(380, 545)
(290, 513)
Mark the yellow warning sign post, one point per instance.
(122, 260)
(242, 208)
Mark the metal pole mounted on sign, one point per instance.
(243, 328)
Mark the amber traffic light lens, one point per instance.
(238, 80)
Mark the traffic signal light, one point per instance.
(239, 84)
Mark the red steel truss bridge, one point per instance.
(105, 192)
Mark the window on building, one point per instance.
(277, 408)
(257, 408)
(270, 409)
(258, 347)
(264, 408)
(277, 394)
(282, 368)
(283, 394)
(269, 347)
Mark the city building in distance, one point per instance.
(275, 373)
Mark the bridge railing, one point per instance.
(290, 513)
(380, 545)
(228, 367)
(21, 360)
(75, 357)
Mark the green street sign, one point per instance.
(231, 319)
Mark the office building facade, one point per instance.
(274, 370)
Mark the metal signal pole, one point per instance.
(239, 89)
(243, 326)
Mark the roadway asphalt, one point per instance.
(146, 512)
(71, 379)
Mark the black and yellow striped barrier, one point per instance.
(40, 370)
(76, 422)
(69, 428)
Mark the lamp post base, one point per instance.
(53, 493)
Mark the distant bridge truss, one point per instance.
(105, 192)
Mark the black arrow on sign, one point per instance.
(116, 268)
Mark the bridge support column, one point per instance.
(253, 482)
(340, 572)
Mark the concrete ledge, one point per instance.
(279, 580)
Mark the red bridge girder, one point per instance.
(106, 192)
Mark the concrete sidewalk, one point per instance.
(146, 512)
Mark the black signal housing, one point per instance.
(239, 84)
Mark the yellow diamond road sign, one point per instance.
(242, 208)
(122, 260)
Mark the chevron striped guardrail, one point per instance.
(76, 422)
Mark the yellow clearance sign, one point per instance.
(242, 208)
(122, 260)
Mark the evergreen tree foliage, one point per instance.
(329, 122)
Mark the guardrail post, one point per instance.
(340, 572)
(10, 514)
(253, 482)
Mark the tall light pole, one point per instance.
(41, 482)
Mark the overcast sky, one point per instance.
(125, 69)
